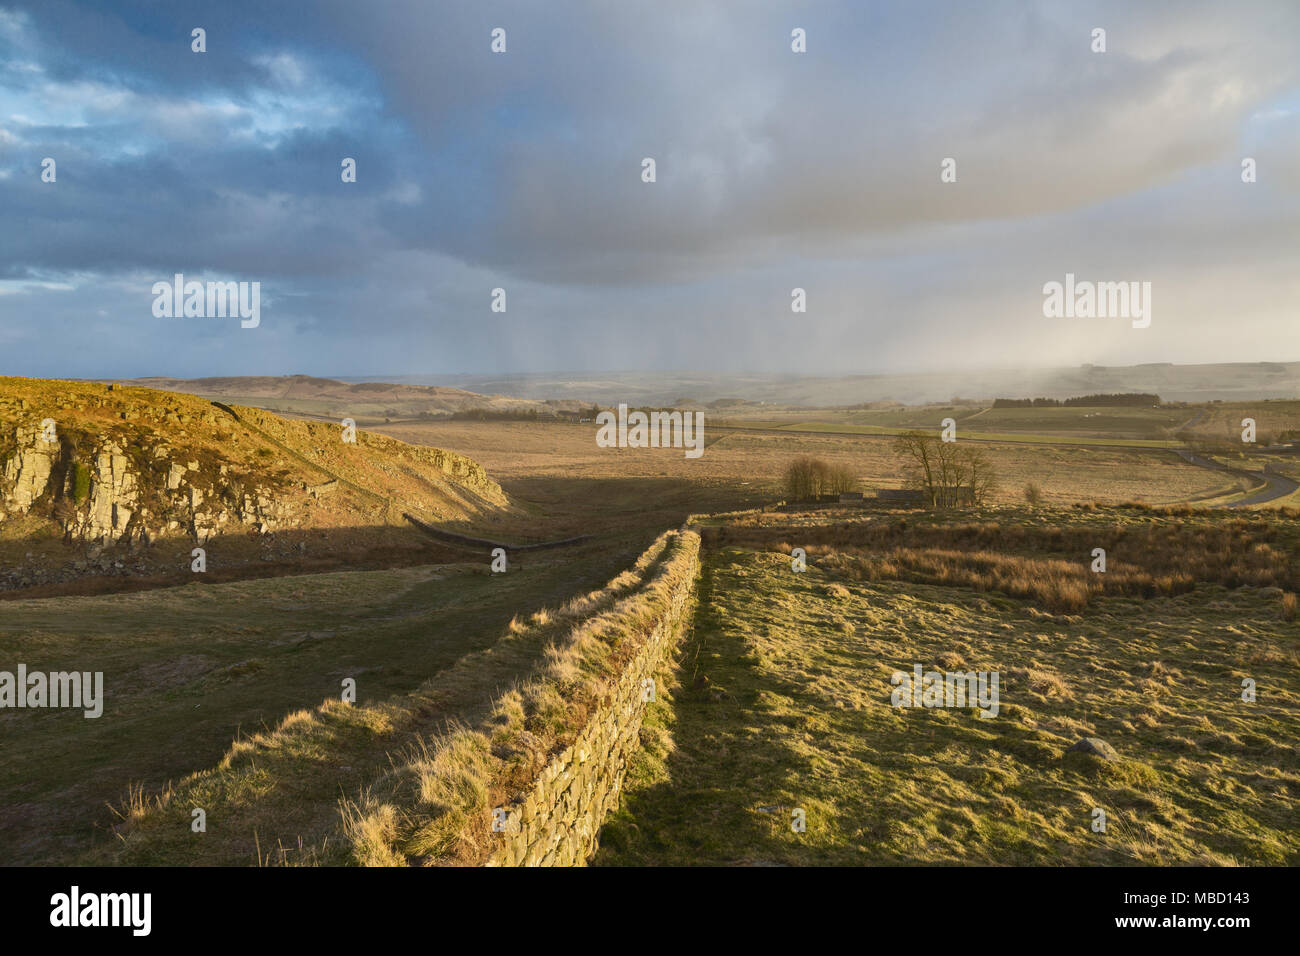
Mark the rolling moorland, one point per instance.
(223, 687)
(327, 398)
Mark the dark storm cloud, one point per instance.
(775, 170)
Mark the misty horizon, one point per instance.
(1252, 381)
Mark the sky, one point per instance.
(522, 170)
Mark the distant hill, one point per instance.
(406, 396)
(304, 395)
(1246, 381)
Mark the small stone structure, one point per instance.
(901, 496)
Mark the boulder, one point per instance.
(1094, 747)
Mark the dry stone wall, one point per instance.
(557, 823)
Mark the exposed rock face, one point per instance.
(28, 472)
(113, 496)
(114, 465)
(125, 498)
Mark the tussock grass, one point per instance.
(370, 829)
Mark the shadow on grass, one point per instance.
(726, 794)
(186, 669)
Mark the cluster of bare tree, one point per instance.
(809, 477)
(948, 473)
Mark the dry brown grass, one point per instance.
(751, 463)
(1045, 562)
(1060, 586)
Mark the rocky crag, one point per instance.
(111, 465)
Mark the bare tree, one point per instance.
(840, 479)
(950, 474)
(808, 477)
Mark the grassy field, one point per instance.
(188, 669)
(1139, 426)
(983, 435)
(335, 783)
(1221, 421)
(744, 468)
(782, 702)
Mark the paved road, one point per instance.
(1190, 422)
(1279, 486)
(1274, 487)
